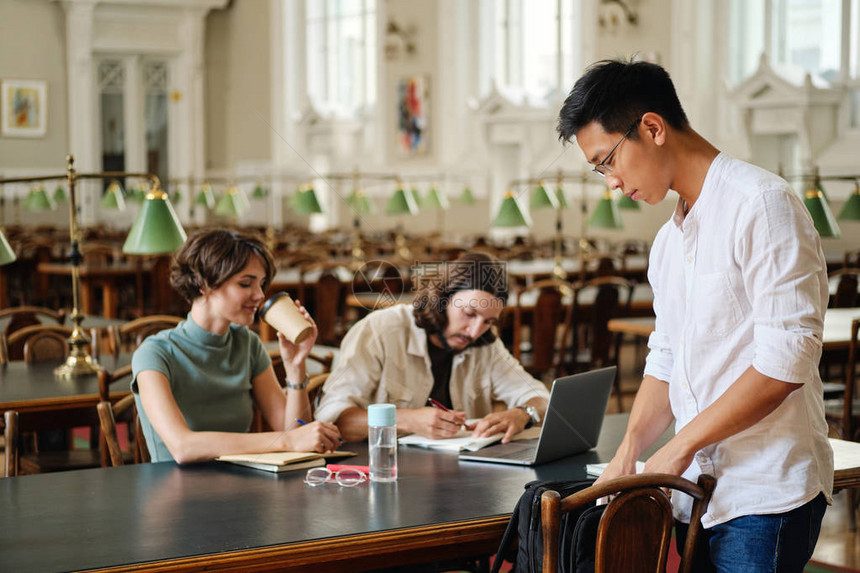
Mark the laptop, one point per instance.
(571, 425)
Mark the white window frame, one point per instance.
(509, 52)
(765, 11)
(328, 64)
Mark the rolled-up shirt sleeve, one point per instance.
(659, 362)
(511, 383)
(354, 380)
(789, 283)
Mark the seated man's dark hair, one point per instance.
(471, 271)
(615, 94)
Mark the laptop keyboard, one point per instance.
(525, 454)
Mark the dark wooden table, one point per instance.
(32, 387)
(221, 516)
(224, 517)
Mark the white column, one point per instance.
(83, 140)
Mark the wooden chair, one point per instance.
(122, 410)
(108, 414)
(127, 337)
(10, 436)
(636, 528)
(38, 342)
(593, 345)
(549, 327)
(846, 295)
(329, 303)
(843, 414)
(21, 316)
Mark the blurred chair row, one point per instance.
(561, 328)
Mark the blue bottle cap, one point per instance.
(380, 415)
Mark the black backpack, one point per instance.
(577, 532)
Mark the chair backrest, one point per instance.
(102, 254)
(847, 294)
(109, 413)
(38, 342)
(612, 298)
(21, 316)
(128, 336)
(550, 327)
(635, 530)
(10, 435)
(850, 382)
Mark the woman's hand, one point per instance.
(295, 354)
(313, 437)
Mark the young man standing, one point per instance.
(740, 289)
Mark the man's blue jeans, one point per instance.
(777, 543)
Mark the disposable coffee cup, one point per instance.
(283, 315)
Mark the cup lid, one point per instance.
(272, 300)
(379, 415)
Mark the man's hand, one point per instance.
(431, 422)
(618, 467)
(670, 459)
(510, 422)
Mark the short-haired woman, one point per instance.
(196, 384)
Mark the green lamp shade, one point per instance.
(231, 203)
(417, 197)
(176, 194)
(113, 197)
(307, 203)
(606, 213)
(822, 216)
(401, 203)
(851, 210)
(510, 214)
(60, 194)
(359, 202)
(466, 197)
(259, 192)
(436, 200)
(38, 200)
(157, 229)
(137, 195)
(542, 199)
(7, 255)
(628, 203)
(559, 196)
(205, 197)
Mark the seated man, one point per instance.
(441, 348)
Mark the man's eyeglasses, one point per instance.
(602, 168)
(346, 477)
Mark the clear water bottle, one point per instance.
(382, 442)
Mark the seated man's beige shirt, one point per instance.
(384, 359)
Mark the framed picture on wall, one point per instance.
(24, 108)
(413, 103)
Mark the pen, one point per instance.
(438, 404)
(441, 406)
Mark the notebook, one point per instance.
(283, 461)
(462, 441)
(571, 425)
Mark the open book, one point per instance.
(283, 461)
(461, 442)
